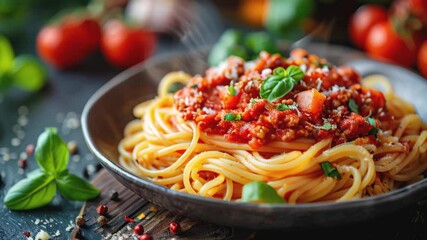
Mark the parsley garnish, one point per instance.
(374, 129)
(283, 107)
(195, 85)
(232, 117)
(232, 90)
(326, 126)
(330, 170)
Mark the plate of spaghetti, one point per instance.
(277, 142)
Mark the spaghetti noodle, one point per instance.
(217, 134)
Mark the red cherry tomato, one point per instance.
(422, 59)
(124, 46)
(419, 8)
(68, 42)
(362, 21)
(383, 43)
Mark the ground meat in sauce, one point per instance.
(256, 121)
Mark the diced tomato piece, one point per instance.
(311, 101)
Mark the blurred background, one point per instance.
(64, 35)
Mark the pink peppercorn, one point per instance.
(138, 229)
(102, 209)
(145, 236)
(174, 228)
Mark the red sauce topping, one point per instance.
(226, 101)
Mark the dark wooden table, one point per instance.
(23, 116)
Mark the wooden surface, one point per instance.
(155, 220)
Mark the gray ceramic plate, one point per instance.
(110, 109)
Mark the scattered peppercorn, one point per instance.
(102, 220)
(29, 149)
(72, 147)
(27, 234)
(80, 221)
(22, 163)
(174, 228)
(145, 236)
(114, 195)
(102, 209)
(138, 229)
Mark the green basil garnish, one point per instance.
(260, 192)
(37, 190)
(280, 83)
(51, 152)
(39, 187)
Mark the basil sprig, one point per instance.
(260, 192)
(39, 187)
(280, 83)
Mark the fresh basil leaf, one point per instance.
(37, 190)
(73, 187)
(330, 170)
(230, 37)
(279, 71)
(51, 152)
(260, 41)
(6, 80)
(353, 106)
(274, 87)
(6, 54)
(260, 192)
(295, 73)
(28, 73)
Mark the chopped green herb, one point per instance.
(195, 85)
(232, 90)
(330, 170)
(230, 117)
(280, 83)
(253, 101)
(238, 117)
(283, 107)
(374, 129)
(326, 126)
(353, 106)
(260, 192)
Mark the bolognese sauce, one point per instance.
(327, 102)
